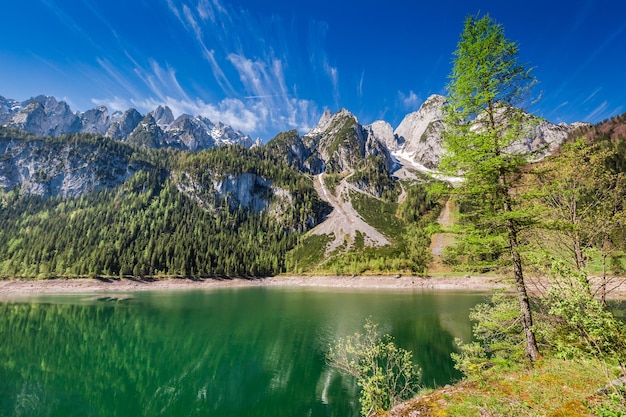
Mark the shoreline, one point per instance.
(11, 288)
(16, 288)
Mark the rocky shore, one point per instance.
(14, 288)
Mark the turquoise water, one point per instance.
(231, 352)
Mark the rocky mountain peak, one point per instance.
(420, 132)
(329, 121)
(163, 116)
(343, 144)
(96, 120)
(121, 128)
(383, 131)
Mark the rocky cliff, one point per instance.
(63, 168)
(420, 139)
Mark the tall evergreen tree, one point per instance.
(488, 85)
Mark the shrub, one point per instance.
(384, 372)
(499, 337)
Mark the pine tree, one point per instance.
(487, 86)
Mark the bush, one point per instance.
(384, 372)
(499, 337)
(582, 326)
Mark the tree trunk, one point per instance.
(522, 295)
(524, 301)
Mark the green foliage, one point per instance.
(373, 177)
(307, 254)
(580, 209)
(487, 86)
(332, 181)
(614, 405)
(418, 203)
(378, 213)
(410, 237)
(487, 80)
(384, 372)
(479, 250)
(499, 341)
(570, 324)
(418, 249)
(580, 325)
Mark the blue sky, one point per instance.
(269, 66)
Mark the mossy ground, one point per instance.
(552, 388)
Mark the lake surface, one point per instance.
(254, 352)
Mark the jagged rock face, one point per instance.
(340, 142)
(96, 120)
(292, 149)
(383, 131)
(544, 139)
(8, 108)
(343, 144)
(247, 190)
(243, 190)
(163, 116)
(420, 132)
(45, 116)
(66, 169)
(226, 135)
(190, 133)
(124, 125)
(147, 134)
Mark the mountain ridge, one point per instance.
(47, 116)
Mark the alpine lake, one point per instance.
(228, 352)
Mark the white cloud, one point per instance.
(189, 22)
(592, 95)
(333, 74)
(233, 112)
(410, 101)
(248, 59)
(205, 10)
(114, 104)
(360, 85)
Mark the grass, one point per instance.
(308, 253)
(379, 214)
(552, 388)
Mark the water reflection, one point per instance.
(244, 352)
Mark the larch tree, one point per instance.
(488, 88)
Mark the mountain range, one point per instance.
(345, 180)
(47, 116)
(417, 138)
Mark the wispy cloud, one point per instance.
(592, 95)
(560, 106)
(597, 113)
(193, 27)
(115, 103)
(410, 101)
(67, 20)
(233, 112)
(254, 65)
(360, 85)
